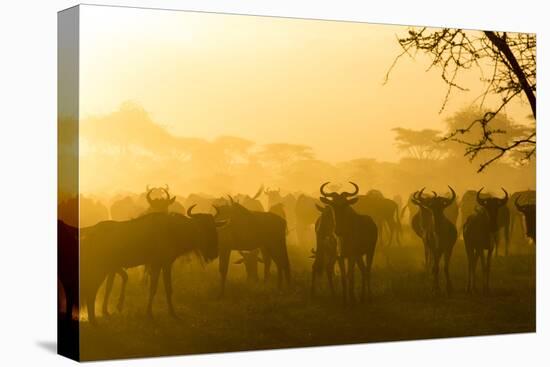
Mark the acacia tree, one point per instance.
(511, 58)
(420, 144)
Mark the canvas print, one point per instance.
(235, 182)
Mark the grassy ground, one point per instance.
(257, 316)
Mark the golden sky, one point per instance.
(266, 79)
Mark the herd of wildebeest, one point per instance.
(348, 227)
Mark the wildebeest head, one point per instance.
(250, 260)
(492, 206)
(161, 204)
(207, 224)
(529, 210)
(341, 205)
(273, 196)
(436, 204)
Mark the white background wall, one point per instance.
(28, 183)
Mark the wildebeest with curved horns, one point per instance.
(516, 219)
(480, 234)
(248, 230)
(444, 235)
(155, 239)
(422, 224)
(470, 205)
(529, 211)
(325, 254)
(357, 235)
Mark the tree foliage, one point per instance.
(511, 61)
(419, 144)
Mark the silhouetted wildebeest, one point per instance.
(67, 269)
(249, 230)
(251, 202)
(529, 211)
(383, 211)
(325, 253)
(444, 235)
(515, 214)
(357, 234)
(306, 215)
(423, 225)
(451, 212)
(68, 275)
(480, 233)
(469, 205)
(155, 239)
(159, 204)
(250, 260)
(282, 204)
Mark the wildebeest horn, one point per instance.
(259, 192)
(190, 211)
(478, 197)
(418, 195)
(167, 193)
(327, 194)
(149, 194)
(348, 194)
(453, 194)
(231, 201)
(505, 198)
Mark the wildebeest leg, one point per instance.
(167, 280)
(342, 266)
(470, 257)
(488, 269)
(474, 270)
(426, 255)
(449, 284)
(483, 269)
(267, 265)
(362, 269)
(90, 305)
(108, 288)
(390, 231)
(330, 276)
(154, 272)
(435, 271)
(280, 270)
(370, 258)
(495, 238)
(225, 254)
(506, 238)
(313, 278)
(351, 279)
(145, 274)
(122, 273)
